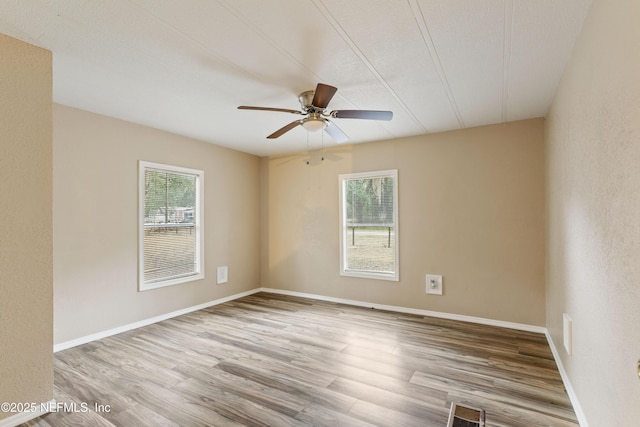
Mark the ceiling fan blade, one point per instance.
(323, 95)
(336, 133)
(362, 114)
(281, 110)
(284, 129)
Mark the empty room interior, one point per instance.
(287, 213)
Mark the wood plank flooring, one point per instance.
(274, 360)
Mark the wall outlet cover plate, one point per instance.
(434, 284)
(223, 275)
(567, 333)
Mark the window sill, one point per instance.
(177, 281)
(370, 275)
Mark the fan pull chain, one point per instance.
(321, 148)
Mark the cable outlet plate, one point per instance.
(434, 284)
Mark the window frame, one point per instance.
(344, 227)
(198, 227)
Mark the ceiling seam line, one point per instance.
(345, 37)
(428, 41)
(226, 4)
(506, 55)
(195, 42)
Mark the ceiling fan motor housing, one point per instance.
(306, 100)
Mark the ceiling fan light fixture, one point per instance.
(314, 124)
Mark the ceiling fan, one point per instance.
(313, 106)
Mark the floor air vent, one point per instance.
(464, 416)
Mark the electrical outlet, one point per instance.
(567, 333)
(223, 274)
(434, 284)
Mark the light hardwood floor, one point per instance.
(274, 360)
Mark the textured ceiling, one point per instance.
(184, 66)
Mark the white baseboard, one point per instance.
(23, 417)
(420, 312)
(582, 420)
(99, 335)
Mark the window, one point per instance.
(170, 215)
(369, 225)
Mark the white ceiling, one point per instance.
(184, 66)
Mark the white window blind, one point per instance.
(171, 238)
(369, 229)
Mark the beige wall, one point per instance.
(95, 183)
(471, 207)
(26, 277)
(593, 251)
